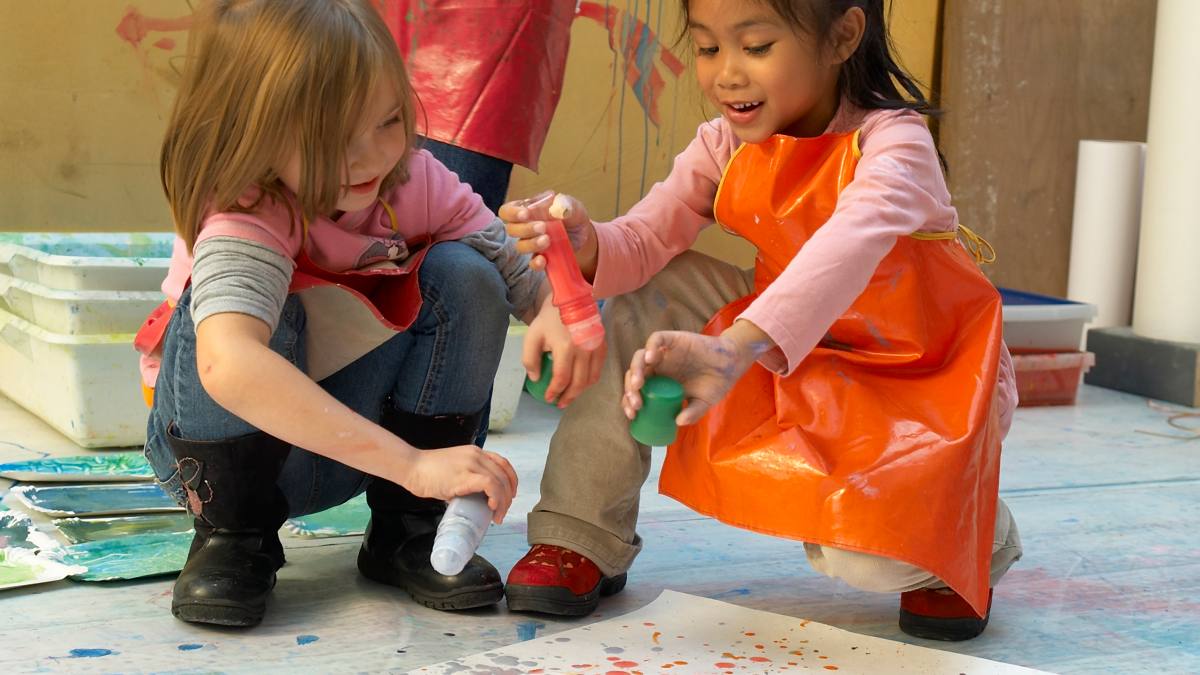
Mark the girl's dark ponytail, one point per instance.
(871, 77)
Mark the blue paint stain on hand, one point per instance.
(90, 653)
(190, 647)
(527, 630)
(306, 639)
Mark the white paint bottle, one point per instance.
(458, 535)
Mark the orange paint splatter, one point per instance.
(831, 667)
(724, 665)
(760, 659)
(648, 624)
(681, 663)
(804, 624)
(614, 658)
(625, 664)
(656, 636)
(668, 666)
(616, 672)
(760, 647)
(822, 657)
(748, 634)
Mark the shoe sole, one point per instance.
(946, 630)
(561, 601)
(471, 597)
(219, 614)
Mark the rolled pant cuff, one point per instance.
(610, 554)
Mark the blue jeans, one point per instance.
(487, 176)
(444, 363)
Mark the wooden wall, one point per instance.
(1023, 81)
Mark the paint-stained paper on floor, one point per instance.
(687, 634)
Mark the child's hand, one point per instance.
(462, 470)
(706, 366)
(525, 218)
(575, 369)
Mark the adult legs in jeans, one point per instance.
(443, 364)
(488, 176)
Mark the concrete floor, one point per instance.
(1110, 581)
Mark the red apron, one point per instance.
(347, 314)
(885, 439)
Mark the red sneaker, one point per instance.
(940, 614)
(557, 580)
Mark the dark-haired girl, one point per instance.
(851, 391)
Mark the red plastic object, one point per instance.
(572, 295)
(1050, 379)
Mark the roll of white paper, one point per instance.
(1167, 292)
(1104, 236)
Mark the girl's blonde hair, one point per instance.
(265, 78)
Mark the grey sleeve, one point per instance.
(523, 283)
(239, 276)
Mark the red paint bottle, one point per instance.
(572, 294)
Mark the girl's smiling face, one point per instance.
(765, 75)
(370, 156)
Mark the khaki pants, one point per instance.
(595, 470)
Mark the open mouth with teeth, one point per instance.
(745, 107)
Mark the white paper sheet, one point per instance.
(680, 633)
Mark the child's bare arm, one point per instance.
(244, 376)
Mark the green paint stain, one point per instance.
(15, 571)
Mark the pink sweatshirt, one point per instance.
(898, 189)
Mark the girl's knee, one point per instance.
(460, 277)
(867, 572)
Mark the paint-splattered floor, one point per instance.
(1110, 581)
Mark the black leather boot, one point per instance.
(238, 509)
(399, 538)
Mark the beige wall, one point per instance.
(84, 107)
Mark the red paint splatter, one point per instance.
(614, 658)
(648, 624)
(724, 665)
(135, 26)
(625, 664)
(166, 43)
(760, 659)
(616, 672)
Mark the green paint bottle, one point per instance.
(662, 399)
(538, 389)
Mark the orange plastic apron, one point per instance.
(347, 314)
(885, 438)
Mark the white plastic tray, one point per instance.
(87, 387)
(77, 312)
(97, 262)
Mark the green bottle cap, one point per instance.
(662, 399)
(538, 389)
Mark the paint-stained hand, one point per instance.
(459, 471)
(575, 369)
(525, 221)
(705, 365)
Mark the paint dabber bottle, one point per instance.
(572, 295)
(459, 534)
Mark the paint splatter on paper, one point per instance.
(80, 530)
(21, 567)
(132, 557)
(341, 521)
(98, 467)
(700, 635)
(96, 500)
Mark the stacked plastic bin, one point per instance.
(1045, 334)
(69, 307)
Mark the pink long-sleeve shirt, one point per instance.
(898, 189)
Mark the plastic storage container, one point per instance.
(1050, 379)
(77, 312)
(1040, 323)
(80, 262)
(510, 378)
(85, 386)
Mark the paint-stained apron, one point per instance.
(347, 314)
(885, 439)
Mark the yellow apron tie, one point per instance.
(979, 248)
